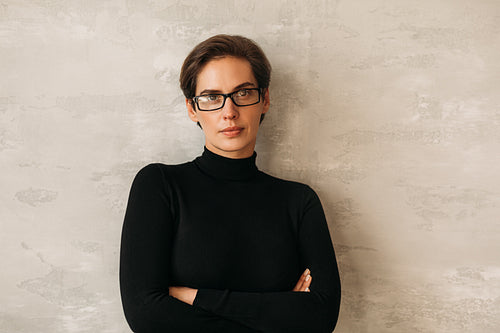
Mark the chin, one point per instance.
(232, 147)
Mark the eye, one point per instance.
(212, 98)
(242, 93)
(209, 98)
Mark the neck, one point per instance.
(227, 168)
(234, 154)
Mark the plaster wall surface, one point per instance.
(389, 109)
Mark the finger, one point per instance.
(301, 281)
(307, 283)
(304, 283)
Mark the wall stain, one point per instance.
(167, 32)
(86, 104)
(426, 60)
(18, 322)
(343, 213)
(342, 249)
(438, 37)
(65, 289)
(420, 309)
(114, 184)
(345, 172)
(35, 197)
(87, 246)
(391, 135)
(439, 204)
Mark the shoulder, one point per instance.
(155, 168)
(156, 173)
(291, 188)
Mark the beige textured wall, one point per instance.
(390, 109)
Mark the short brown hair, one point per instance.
(220, 46)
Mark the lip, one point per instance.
(232, 131)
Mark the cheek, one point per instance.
(208, 122)
(256, 117)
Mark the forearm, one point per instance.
(162, 313)
(276, 311)
(158, 312)
(267, 311)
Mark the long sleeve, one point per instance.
(144, 265)
(316, 311)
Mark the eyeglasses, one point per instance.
(242, 97)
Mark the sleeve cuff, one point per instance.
(207, 299)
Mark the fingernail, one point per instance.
(307, 272)
(307, 289)
(308, 277)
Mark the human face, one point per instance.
(231, 131)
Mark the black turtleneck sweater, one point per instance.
(239, 236)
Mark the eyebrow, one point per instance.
(214, 91)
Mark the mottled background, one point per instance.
(390, 109)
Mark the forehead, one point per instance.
(224, 74)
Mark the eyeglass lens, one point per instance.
(243, 97)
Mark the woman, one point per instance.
(215, 245)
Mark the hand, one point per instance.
(184, 294)
(304, 282)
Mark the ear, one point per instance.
(267, 101)
(191, 110)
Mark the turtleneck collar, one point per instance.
(226, 168)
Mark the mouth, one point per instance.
(232, 131)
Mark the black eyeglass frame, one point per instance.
(230, 95)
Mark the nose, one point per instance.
(230, 111)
